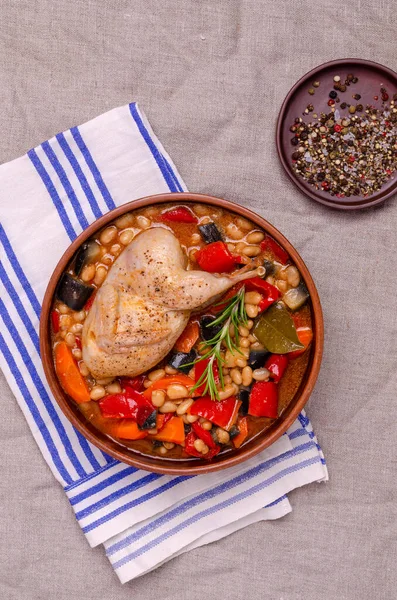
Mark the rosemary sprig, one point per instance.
(233, 314)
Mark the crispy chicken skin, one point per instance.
(144, 305)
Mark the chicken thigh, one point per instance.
(145, 303)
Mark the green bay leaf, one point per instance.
(275, 329)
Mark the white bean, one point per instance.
(246, 376)
(76, 328)
(222, 435)
(207, 425)
(79, 316)
(77, 353)
(83, 369)
(236, 377)
(251, 251)
(126, 236)
(124, 221)
(63, 309)
(104, 380)
(170, 370)
(243, 331)
(293, 276)
(115, 249)
(163, 450)
(196, 237)
(200, 446)
(244, 342)
(156, 375)
(143, 222)
(70, 339)
(100, 275)
(234, 232)
(252, 298)
(168, 445)
(158, 398)
(65, 321)
(227, 392)
(243, 223)
(260, 374)
(191, 418)
(176, 391)
(97, 392)
(108, 235)
(241, 362)
(184, 406)
(255, 237)
(113, 388)
(88, 273)
(168, 407)
(282, 285)
(252, 310)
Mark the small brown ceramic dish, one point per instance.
(164, 464)
(371, 77)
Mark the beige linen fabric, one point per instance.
(211, 77)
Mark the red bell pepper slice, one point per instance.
(55, 320)
(305, 336)
(130, 405)
(276, 364)
(55, 317)
(269, 292)
(199, 369)
(204, 435)
(89, 302)
(136, 383)
(78, 343)
(190, 449)
(215, 258)
(222, 413)
(264, 400)
(270, 245)
(181, 214)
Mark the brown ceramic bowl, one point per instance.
(164, 465)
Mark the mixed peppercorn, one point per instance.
(350, 154)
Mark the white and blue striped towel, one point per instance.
(47, 197)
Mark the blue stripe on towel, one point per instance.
(38, 165)
(169, 179)
(19, 272)
(41, 389)
(102, 485)
(79, 174)
(63, 178)
(119, 493)
(211, 493)
(49, 442)
(214, 509)
(93, 167)
(19, 307)
(35, 339)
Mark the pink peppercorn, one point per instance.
(337, 128)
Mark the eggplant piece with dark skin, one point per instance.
(183, 360)
(206, 330)
(270, 268)
(150, 422)
(87, 253)
(295, 298)
(73, 292)
(257, 358)
(244, 397)
(210, 233)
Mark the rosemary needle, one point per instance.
(233, 314)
